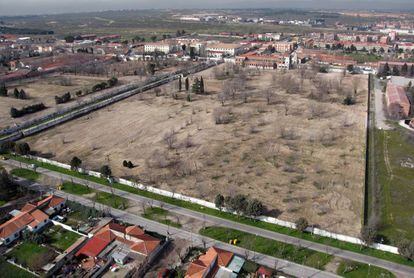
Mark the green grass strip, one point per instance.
(26, 174)
(350, 269)
(299, 255)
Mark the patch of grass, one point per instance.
(61, 239)
(2, 202)
(96, 195)
(244, 220)
(160, 215)
(396, 183)
(269, 247)
(111, 200)
(27, 253)
(362, 57)
(76, 189)
(9, 270)
(26, 174)
(349, 269)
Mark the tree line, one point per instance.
(404, 70)
(16, 113)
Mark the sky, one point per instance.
(23, 7)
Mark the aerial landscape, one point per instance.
(221, 139)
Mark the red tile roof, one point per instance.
(134, 231)
(51, 201)
(213, 255)
(264, 272)
(147, 245)
(223, 257)
(93, 247)
(30, 215)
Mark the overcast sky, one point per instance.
(19, 7)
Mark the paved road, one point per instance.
(287, 267)
(378, 103)
(401, 270)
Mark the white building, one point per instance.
(165, 48)
(220, 50)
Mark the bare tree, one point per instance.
(170, 138)
(269, 95)
(355, 85)
(222, 115)
(222, 97)
(245, 95)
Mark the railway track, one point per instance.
(38, 125)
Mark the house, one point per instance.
(398, 105)
(120, 243)
(32, 217)
(220, 50)
(215, 262)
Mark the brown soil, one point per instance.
(315, 171)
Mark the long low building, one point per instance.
(165, 48)
(267, 61)
(398, 105)
(220, 50)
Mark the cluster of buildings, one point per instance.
(215, 262)
(108, 246)
(32, 217)
(112, 243)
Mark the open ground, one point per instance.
(43, 90)
(287, 141)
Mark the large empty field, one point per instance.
(287, 141)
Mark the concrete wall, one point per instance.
(271, 220)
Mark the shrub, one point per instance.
(254, 208)
(106, 171)
(75, 163)
(222, 115)
(99, 87)
(368, 234)
(349, 100)
(3, 90)
(301, 224)
(112, 82)
(219, 201)
(62, 99)
(22, 148)
(406, 249)
(7, 147)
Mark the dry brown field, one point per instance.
(301, 153)
(42, 90)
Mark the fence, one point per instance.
(69, 228)
(316, 231)
(22, 267)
